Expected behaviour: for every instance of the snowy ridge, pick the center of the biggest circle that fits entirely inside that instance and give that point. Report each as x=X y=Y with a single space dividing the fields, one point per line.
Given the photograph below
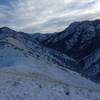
x=78 y=41
x=28 y=47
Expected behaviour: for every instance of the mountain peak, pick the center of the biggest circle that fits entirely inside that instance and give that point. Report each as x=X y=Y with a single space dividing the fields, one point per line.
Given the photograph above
x=6 y=29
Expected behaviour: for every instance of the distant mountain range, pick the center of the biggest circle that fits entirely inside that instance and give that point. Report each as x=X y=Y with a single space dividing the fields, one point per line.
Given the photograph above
x=76 y=48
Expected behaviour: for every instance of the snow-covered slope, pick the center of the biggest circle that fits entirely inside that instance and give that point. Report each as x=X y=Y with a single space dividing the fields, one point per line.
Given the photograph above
x=25 y=43
x=34 y=86
x=30 y=71
x=92 y=65
x=14 y=54
x=79 y=40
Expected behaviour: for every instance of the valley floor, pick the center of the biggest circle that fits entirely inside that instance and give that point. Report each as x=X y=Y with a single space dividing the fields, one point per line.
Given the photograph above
x=35 y=86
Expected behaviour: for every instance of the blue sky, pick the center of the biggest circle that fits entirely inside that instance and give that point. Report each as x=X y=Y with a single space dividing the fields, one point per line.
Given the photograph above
x=3 y=1
x=46 y=15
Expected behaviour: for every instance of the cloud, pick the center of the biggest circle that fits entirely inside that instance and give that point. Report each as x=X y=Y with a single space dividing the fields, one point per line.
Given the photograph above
x=46 y=15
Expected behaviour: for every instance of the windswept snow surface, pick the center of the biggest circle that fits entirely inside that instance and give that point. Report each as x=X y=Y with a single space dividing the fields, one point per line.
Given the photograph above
x=34 y=86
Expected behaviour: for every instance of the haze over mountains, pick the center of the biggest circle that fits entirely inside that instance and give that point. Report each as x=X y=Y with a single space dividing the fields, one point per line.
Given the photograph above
x=69 y=58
